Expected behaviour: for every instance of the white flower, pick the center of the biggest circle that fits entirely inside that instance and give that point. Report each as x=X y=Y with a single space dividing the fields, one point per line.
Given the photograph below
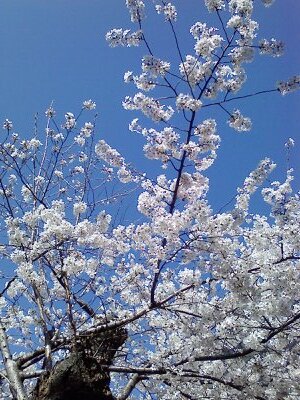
x=59 y=174
x=128 y=76
x=253 y=340
x=136 y=9
x=162 y=145
x=108 y=154
x=251 y=183
x=120 y=37
x=207 y=41
x=268 y=3
x=50 y=112
x=271 y=47
x=230 y=78
x=79 y=208
x=26 y=193
x=70 y=120
x=39 y=180
x=239 y=122
x=149 y=107
x=87 y=129
x=155 y=66
x=82 y=157
x=12 y=179
x=134 y=126
x=235 y=22
x=124 y=175
x=241 y=7
x=89 y=104
x=8 y=125
x=289 y=86
x=214 y=5
x=193 y=70
x=187 y=102
x=103 y=221
x=143 y=82
x=169 y=11
x=290 y=143
x=78 y=169
x=79 y=140
x=34 y=144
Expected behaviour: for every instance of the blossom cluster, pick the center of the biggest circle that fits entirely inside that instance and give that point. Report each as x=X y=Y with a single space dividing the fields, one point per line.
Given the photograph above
x=194 y=71
x=120 y=37
x=185 y=101
x=136 y=9
x=273 y=47
x=108 y=154
x=215 y=5
x=168 y=10
x=252 y=182
x=154 y=66
x=289 y=86
x=207 y=40
x=239 y=122
x=149 y=107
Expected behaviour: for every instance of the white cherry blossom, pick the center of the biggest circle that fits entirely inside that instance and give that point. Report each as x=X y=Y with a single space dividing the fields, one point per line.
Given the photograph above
x=134 y=272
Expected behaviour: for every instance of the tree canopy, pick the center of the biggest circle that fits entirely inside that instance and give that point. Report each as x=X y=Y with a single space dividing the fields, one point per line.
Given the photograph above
x=182 y=302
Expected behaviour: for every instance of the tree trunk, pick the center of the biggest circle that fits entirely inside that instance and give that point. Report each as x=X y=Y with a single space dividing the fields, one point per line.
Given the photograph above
x=80 y=376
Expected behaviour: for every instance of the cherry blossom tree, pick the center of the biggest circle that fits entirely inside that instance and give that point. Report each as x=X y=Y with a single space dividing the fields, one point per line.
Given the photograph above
x=183 y=302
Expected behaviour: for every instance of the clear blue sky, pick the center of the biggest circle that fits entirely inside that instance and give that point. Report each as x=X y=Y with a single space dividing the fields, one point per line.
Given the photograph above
x=55 y=50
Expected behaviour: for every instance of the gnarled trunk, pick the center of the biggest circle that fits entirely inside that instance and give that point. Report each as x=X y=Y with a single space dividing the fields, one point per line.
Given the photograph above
x=80 y=376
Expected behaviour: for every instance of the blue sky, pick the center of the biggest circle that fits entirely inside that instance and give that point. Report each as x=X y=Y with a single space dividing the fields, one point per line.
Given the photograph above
x=55 y=50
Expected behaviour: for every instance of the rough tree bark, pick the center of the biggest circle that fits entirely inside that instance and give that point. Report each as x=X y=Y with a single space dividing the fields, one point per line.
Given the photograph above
x=80 y=376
